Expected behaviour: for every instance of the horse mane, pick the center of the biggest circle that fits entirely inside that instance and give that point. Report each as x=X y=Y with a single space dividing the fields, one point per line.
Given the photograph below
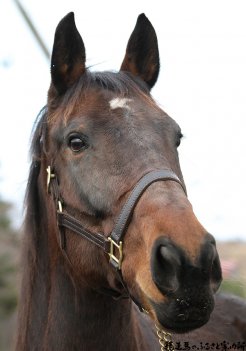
x=121 y=83
x=32 y=205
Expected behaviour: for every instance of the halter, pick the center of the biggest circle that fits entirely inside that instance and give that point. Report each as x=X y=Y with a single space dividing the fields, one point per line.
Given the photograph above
x=113 y=244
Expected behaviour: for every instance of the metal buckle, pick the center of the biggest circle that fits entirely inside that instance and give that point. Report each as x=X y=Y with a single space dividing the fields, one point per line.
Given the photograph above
x=116 y=262
x=50 y=175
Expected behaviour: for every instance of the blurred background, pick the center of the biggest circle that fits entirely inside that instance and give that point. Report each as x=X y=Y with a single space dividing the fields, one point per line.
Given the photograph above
x=201 y=85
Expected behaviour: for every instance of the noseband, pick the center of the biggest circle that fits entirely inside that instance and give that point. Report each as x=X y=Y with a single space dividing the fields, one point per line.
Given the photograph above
x=113 y=244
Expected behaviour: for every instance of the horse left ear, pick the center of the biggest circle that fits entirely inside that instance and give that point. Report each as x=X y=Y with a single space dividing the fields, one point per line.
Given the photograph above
x=68 y=55
x=142 y=54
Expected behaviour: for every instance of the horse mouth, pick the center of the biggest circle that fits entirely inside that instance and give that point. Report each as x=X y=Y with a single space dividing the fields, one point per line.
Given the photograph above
x=174 y=326
x=174 y=319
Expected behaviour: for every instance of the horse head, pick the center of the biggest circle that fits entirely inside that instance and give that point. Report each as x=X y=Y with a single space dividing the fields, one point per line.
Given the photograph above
x=102 y=133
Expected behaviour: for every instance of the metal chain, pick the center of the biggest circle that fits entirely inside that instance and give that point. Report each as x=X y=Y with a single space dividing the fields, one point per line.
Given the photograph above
x=165 y=339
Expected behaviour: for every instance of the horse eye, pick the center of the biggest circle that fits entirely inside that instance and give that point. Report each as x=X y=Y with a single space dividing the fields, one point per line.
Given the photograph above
x=179 y=137
x=77 y=143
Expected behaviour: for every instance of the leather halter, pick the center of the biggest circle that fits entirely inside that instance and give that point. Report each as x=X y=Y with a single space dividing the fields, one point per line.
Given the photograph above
x=113 y=244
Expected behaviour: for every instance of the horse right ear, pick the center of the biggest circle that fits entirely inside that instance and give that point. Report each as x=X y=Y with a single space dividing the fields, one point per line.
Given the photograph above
x=68 y=55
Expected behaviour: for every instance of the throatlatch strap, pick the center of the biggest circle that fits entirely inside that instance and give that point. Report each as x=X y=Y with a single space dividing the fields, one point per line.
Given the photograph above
x=127 y=211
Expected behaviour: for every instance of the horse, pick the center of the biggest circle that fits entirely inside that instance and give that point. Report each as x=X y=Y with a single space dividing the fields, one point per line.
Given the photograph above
x=114 y=257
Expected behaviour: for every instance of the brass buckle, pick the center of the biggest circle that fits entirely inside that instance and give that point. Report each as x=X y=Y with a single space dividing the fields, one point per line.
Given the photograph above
x=50 y=175
x=112 y=258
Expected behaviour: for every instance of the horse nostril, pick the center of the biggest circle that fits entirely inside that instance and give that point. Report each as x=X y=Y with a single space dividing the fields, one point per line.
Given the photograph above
x=216 y=273
x=165 y=266
x=210 y=263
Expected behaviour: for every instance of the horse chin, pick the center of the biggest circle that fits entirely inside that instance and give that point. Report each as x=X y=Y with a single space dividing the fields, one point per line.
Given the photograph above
x=181 y=327
x=178 y=320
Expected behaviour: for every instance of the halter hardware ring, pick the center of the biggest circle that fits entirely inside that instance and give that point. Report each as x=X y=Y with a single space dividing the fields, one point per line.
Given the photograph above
x=116 y=262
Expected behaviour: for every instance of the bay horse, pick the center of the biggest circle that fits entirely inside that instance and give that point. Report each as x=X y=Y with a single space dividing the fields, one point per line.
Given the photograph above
x=113 y=255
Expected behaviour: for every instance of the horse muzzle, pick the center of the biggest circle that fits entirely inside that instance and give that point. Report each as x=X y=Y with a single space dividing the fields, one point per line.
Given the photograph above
x=182 y=314
x=187 y=287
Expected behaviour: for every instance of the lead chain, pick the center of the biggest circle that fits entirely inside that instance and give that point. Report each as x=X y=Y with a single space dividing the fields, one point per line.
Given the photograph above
x=165 y=339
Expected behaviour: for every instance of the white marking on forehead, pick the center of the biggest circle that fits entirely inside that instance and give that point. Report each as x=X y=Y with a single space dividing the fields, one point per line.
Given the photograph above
x=119 y=103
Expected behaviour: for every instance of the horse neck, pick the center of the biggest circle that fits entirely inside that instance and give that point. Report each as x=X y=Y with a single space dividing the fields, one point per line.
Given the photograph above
x=58 y=313
x=82 y=319
x=64 y=316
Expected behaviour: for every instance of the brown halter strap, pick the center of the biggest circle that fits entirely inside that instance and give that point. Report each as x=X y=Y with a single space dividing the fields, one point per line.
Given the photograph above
x=113 y=244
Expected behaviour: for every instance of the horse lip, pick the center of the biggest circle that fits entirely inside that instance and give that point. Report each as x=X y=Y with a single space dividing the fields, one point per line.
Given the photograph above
x=182 y=320
x=182 y=327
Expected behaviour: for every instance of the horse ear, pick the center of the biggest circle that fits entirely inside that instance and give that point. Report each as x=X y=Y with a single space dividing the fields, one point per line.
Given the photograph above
x=68 y=55
x=142 y=54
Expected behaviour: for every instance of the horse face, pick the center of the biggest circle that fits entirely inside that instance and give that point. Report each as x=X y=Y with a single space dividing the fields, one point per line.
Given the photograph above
x=105 y=132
